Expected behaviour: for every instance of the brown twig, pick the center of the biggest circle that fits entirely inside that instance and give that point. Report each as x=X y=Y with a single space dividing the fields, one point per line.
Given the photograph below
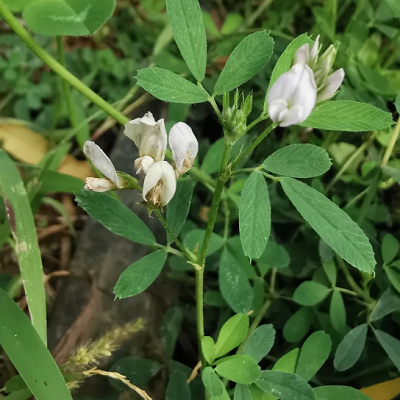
x=194 y=372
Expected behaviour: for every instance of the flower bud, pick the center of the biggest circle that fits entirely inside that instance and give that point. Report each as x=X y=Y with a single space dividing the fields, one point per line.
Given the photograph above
x=292 y=96
x=150 y=137
x=99 y=159
x=184 y=146
x=331 y=86
x=143 y=164
x=305 y=55
x=324 y=65
x=159 y=184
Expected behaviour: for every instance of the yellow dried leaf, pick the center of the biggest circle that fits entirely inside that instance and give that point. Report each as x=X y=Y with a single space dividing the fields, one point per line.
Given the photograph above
x=383 y=391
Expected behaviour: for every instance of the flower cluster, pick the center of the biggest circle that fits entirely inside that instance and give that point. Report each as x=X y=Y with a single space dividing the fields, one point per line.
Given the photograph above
x=150 y=137
x=294 y=94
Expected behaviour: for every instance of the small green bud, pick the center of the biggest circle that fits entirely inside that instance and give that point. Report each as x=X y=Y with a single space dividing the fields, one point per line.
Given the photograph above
x=129 y=182
x=247 y=105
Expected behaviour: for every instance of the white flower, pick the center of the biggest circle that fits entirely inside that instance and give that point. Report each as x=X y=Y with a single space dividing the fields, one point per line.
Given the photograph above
x=292 y=97
x=143 y=164
x=150 y=138
x=305 y=55
x=184 y=146
x=331 y=85
x=159 y=184
x=105 y=166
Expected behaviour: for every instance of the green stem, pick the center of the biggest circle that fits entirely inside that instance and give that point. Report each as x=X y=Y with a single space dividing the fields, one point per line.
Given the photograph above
x=349 y=292
x=199 y=311
x=262 y=117
x=56 y=66
x=183 y=249
x=347 y=164
x=392 y=143
x=169 y=249
x=212 y=215
x=256 y=142
x=257 y=13
x=388 y=48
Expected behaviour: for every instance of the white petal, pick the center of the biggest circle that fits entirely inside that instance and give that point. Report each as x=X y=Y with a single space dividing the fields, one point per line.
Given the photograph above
x=285 y=85
x=314 y=51
x=305 y=94
x=143 y=164
x=303 y=54
x=331 y=85
x=183 y=144
x=293 y=116
x=161 y=171
x=101 y=161
x=276 y=108
x=99 y=185
x=136 y=128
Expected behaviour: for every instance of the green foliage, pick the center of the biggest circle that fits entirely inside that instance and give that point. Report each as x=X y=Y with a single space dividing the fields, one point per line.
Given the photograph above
x=234 y=284
x=350 y=348
x=334 y=226
x=240 y=369
x=23 y=229
x=177 y=387
x=338 y=311
x=170 y=327
x=194 y=239
x=388 y=303
x=254 y=216
x=67 y=17
x=390 y=248
x=314 y=353
x=115 y=216
x=231 y=334
x=348 y=116
x=212 y=383
x=298 y=324
x=298 y=161
x=246 y=60
x=242 y=392
x=187 y=24
x=140 y=275
x=167 y=86
x=208 y=348
x=285 y=386
x=391 y=345
x=339 y=392
x=310 y=293
x=259 y=344
x=25 y=347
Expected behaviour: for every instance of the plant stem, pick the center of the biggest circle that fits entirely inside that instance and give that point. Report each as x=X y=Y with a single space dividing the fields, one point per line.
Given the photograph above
x=347 y=164
x=212 y=215
x=199 y=311
x=257 y=13
x=256 y=121
x=56 y=66
x=256 y=142
x=392 y=143
x=183 y=249
x=349 y=292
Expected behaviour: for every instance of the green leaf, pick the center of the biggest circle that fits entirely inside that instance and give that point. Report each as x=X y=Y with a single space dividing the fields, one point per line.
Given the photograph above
x=393 y=274
x=314 y=353
x=242 y=392
x=337 y=311
x=53 y=181
x=189 y=33
x=23 y=228
x=234 y=284
x=178 y=207
x=310 y=293
x=298 y=324
x=212 y=160
x=391 y=345
x=348 y=116
x=388 y=303
x=17 y=5
x=20 y=395
x=25 y=348
x=234 y=246
x=260 y=342
x=392 y=172
x=208 y=348
x=239 y=369
x=248 y=58
x=339 y=392
x=140 y=275
x=115 y=216
x=212 y=383
x=288 y=362
x=395 y=6
x=274 y=256
x=397 y=103
x=285 y=386
x=332 y=224
x=67 y=17
x=170 y=327
x=231 y=334
x=254 y=215
x=286 y=59
x=167 y=86
x=299 y=161
x=350 y=348
x=194 y=239
x=390 y=248
x=330 y=270
x=177 y=387
x=137 y=370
